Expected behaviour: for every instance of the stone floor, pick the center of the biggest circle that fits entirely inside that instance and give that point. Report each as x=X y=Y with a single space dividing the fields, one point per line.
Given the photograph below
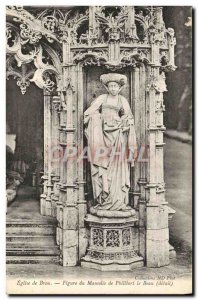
x=178 y=178
x=26 y=208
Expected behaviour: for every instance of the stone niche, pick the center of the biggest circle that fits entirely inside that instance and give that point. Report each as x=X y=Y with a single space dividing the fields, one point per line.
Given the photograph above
x=114 y=242
x=92 y=88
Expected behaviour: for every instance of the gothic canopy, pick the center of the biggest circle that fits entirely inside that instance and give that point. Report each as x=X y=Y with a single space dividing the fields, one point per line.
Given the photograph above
x=40 y=40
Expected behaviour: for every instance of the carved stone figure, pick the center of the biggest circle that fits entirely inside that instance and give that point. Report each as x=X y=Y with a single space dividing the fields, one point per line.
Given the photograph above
x=111 y=141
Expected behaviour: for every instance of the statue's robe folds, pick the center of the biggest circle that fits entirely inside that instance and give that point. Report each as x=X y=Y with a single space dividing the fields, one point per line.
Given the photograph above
x=111 y=143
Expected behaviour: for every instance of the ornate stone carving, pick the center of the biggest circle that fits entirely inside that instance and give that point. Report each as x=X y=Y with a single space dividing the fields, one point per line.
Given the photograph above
x=97 y=57
x=29 y=35
x=23 y=83
x=109 y=257
x=98 y=238
x=112 y=238
x=153 y=83
x=126 y=237
x=15 y=42
x=135 y=56
x=106 y=24
x=111 y=244
x=23 y=73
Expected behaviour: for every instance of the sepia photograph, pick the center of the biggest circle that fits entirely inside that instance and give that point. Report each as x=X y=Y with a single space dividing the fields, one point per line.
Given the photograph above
x=99 y=134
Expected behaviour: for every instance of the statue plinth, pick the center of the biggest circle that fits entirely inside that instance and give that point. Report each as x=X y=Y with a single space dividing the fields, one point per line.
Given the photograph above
x=111 y=244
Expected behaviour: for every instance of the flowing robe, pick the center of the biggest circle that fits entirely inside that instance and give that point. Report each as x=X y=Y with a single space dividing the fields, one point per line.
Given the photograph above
x=111 y=140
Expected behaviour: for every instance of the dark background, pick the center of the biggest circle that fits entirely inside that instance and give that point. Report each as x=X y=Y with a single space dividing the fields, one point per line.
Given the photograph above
x=178 y=99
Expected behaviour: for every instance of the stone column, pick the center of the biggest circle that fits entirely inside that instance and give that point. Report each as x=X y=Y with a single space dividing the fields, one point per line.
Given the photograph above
x=82 y=204
x=45 y=198
x=157 y=232
x=60 y=185
x=70 y=212
x=142 y=161
x=56 y=153
x=67 y=212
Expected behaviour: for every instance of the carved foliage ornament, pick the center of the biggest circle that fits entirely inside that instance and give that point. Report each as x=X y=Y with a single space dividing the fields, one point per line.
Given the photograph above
x=21 y=74
x=156 y=83
x=114 y=24
x=29 y=35
x=82 y=29
x=15 y=44
x=60 y=25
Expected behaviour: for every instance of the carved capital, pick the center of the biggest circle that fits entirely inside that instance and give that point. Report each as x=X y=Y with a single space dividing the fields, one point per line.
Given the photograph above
x=153 y=84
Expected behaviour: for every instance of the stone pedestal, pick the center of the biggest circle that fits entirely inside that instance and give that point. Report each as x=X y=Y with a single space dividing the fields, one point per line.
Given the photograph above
x=111 y=244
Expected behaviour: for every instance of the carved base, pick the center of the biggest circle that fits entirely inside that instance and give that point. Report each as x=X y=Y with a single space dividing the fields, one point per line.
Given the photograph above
x=136 y=263
x=111 y=244
x=112 y=214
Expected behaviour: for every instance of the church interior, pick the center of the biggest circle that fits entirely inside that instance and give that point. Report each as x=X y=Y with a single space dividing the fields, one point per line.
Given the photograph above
x=25 y=125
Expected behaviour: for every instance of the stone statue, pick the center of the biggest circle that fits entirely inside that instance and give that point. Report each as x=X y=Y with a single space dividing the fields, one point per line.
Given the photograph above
x=109 y=128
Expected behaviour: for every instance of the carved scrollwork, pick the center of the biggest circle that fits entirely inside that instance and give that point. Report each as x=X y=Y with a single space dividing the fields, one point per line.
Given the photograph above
x=12 y=7
x=91 y=57
x=50 y=23
x=29 y=35
x=43 y=79
x=22 y=73
x=131 y=57
x=23 y=83
x=18 y=13
x=115 y=37
x=13 y=39
x=62 y=26
x=14 y=46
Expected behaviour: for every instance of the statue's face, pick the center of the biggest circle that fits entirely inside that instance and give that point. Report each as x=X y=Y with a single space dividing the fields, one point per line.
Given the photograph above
x=113 y=88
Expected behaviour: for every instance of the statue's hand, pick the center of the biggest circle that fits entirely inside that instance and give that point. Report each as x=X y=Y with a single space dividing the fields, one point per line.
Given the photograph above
x=124 y=128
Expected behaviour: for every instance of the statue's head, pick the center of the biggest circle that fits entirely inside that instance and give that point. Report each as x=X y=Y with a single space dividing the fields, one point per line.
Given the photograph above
x=113 y=82
x=113 y=88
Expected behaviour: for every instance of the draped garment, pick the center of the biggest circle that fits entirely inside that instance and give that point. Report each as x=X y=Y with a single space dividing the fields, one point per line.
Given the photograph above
x=111 y=141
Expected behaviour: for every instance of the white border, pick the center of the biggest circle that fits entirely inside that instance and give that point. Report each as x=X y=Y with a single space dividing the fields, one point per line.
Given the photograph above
x=2 y=99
